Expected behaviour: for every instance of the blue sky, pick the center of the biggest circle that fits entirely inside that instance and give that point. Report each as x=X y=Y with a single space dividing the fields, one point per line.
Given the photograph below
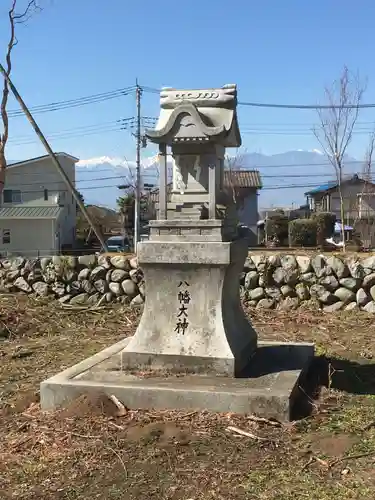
x=276 y=51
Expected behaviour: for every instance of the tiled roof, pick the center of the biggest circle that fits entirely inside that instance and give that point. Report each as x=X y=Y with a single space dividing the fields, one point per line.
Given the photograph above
x=242 y=178
x=29 y=212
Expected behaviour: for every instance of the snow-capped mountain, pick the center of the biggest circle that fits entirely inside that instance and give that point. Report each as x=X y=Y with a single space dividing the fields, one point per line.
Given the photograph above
x=286 y=176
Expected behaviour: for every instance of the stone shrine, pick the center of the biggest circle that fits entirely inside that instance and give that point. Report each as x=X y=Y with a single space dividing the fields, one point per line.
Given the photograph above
x=193 y=318
x=193 y=342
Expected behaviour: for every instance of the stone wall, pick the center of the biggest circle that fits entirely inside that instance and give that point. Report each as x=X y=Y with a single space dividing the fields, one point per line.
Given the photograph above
x=84 y=280
x=328 y=282
x=268 y=281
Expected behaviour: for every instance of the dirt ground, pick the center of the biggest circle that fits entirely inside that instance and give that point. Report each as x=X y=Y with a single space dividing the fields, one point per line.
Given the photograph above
x=88 y=451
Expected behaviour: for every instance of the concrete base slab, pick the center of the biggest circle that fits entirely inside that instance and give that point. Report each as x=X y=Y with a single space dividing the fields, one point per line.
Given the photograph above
x=269 y=387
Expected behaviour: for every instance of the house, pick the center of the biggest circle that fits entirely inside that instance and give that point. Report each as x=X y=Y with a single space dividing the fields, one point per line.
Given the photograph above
x=37 y=210
x=244 y=184
x=358 y=204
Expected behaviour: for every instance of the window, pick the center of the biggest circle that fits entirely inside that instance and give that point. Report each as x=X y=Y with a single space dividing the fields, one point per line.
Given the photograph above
x=45 y=194
x=6 y=236
x=12 y=196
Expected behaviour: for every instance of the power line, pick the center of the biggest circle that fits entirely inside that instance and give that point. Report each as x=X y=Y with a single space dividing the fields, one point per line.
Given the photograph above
x=73 y=103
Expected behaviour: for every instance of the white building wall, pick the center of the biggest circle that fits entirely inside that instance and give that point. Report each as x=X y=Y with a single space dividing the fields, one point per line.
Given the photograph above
x=28 y=237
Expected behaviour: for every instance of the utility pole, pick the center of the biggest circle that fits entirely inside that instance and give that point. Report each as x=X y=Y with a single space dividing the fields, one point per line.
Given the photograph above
x=137 y=223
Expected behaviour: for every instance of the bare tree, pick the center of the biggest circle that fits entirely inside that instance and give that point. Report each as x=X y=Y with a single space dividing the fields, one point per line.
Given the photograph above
x=234 y=163
x=15 y=18
x=365 y=219
x=337 y=121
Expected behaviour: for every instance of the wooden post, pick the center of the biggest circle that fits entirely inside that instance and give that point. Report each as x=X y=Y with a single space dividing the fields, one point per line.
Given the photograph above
x=163 y=181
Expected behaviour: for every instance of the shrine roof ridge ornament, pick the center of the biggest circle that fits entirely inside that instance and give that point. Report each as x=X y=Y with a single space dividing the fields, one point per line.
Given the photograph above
x=224 y=97
x=197 y=116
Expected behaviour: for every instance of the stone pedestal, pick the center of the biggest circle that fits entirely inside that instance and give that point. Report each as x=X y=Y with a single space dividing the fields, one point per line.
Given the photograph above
x=192 y=320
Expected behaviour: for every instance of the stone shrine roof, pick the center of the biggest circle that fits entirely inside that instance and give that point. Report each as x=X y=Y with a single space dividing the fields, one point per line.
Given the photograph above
x=198 y=116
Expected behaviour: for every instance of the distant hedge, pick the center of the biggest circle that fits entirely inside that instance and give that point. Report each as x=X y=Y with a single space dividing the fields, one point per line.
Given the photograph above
x=276 y=225
x=325 y=226
x=303 y=232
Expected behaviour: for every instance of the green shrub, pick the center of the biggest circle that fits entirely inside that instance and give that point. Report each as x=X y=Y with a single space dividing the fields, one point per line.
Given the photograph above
x=302 y=232
x=325 y=226
x=276 y=226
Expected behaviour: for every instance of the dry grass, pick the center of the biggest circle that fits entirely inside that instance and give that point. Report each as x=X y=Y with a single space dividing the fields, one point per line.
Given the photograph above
x=88 y=452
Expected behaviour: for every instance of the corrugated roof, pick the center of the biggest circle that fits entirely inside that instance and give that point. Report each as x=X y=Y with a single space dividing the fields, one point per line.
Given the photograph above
x=38 y=158
x=29 y=212
x=323 y=188
x=242 y=178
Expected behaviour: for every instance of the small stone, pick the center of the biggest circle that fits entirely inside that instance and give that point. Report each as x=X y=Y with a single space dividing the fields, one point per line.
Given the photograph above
x=372 y=292
x=350 y=283
x=309 y=278
x=133 y=262
x=362 y=297
x=104 y=261
x=279 y=275
x=119 y=275
x=93 y=299
x=45 y=262
x=252 y=303
x=109 y=297
x=329 y=282
x=84 y=274
x=352 y=306
x=288 y=304
x=24 y=272
x=333 y=307
x=265 y=304
x=65 y=299
x=80 y=299
x=136 y=275
x=262 y=280
x=137 y=301
x=23 y=285
x=251 y=280
x=260 y=262
x=304 y=263
x=322 y=295
x=369 y=280
x=339 y=268
x=98 y=273
x=13 y=275
x=101 y=286
x=318 y=264
x=369 y=307
x=6 y=264
x=302 y=291
x=274 y=261
x=58 y=288
x=287 y=291
x=40 y=288
x=369 y=263
x=17 y=263
x=288 y=262
x=273 y=292
x=69 y=275
x=291 y=276
x=120 y=262
x=344 y=295
x=356 y=269
x=116 y=288
x=256 y=294
x=87 y=286
x=249 y=265
x=87 y=260
x=129 y=287
x=142 y=289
